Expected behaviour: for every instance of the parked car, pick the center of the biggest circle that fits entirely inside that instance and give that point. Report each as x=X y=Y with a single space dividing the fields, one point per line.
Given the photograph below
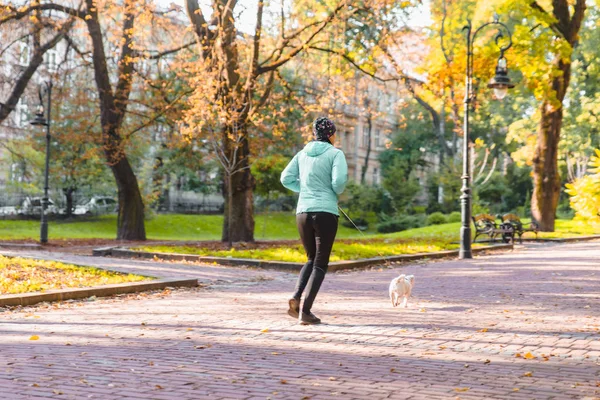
x=97 y=205
x=33 y=206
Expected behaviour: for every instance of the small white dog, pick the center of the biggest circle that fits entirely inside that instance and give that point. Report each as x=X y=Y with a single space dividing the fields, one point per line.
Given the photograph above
x=401 y=287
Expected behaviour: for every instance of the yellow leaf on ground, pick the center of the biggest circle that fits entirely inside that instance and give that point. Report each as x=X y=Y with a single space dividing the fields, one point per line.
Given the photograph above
x=529 y=356
x=331 y=378
x=518 y=355
x=283 y=381
x=528 y=373
x=264 y=330
x=34 y=337
x=158 y=387
x=483 y=330
x=516 y=389
x=461 y=389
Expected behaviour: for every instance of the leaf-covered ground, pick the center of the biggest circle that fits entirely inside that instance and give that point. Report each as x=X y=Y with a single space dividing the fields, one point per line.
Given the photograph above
x=20 y=275
x=342 y=250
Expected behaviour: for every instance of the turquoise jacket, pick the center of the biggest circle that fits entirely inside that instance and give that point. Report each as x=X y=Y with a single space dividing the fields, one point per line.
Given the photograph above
x=319 y=173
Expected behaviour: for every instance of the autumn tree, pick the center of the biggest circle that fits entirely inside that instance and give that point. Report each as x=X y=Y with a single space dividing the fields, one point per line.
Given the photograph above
x=543 y=52
x=28 y=40
x=119 y=36
x=236 y=74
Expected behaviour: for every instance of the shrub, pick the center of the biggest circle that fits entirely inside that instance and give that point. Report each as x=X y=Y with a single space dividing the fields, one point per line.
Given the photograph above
x=437 y=218
x=585 y=193
x=361 y=223
x=400 y=224
x=454 y=217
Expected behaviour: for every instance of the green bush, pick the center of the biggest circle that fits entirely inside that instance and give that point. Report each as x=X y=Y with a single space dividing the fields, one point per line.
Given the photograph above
x=454 y=217
x=361 y=223
x=400 y=224
x=437 y=218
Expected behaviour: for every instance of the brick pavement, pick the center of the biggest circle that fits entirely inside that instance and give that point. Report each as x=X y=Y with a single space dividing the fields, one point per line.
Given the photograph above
x=461 y=337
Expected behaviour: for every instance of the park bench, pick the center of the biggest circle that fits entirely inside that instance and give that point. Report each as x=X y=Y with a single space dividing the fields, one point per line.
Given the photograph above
x=485 y=224
x=519 y=227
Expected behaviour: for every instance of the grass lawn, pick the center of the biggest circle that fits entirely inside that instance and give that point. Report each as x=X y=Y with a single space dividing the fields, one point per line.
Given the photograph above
x=20 y=275
x=272 y=226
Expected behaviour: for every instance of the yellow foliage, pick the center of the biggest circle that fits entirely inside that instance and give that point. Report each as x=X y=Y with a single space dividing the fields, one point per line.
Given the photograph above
x=585 y=193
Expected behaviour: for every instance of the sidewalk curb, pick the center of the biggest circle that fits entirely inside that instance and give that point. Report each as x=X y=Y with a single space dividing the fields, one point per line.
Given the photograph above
x=563 y=240
x=281 y=265
x=27 y=299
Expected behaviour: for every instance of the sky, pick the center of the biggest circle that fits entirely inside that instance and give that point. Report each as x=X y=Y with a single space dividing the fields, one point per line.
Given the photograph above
x=247 y=8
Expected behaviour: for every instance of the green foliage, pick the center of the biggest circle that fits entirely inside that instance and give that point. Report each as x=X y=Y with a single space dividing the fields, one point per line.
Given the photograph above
x=23 y=275
x=454 y=216
x=401 y=223
x=437 y=218
x=359 y=200
x=266 y=172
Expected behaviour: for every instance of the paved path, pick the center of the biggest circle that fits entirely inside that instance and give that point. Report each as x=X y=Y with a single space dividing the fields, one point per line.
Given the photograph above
x=468 y=333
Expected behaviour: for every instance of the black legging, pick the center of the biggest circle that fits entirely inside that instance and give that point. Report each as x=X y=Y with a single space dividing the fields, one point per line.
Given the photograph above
x=317 y=232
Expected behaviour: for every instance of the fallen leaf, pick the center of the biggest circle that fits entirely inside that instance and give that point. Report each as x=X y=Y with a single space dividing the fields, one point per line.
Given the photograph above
x=392 y=369
x=143 y=324
x=158 y=387
x=529 y=356
x=423 y=310
x=516 y=389
x=57 y=391
x=518 y=355
x=34 y=337
x=461 y=389
x=331 y=378
x=275 y=353
x=487 y=361
x=483 y=330
x=442 y=347
x=264 y=330
x=528 y=373
x=283 y=381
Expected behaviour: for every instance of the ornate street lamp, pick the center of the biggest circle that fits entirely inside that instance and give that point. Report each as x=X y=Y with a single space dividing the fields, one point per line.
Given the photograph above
x=500 y=83
x=45 y=89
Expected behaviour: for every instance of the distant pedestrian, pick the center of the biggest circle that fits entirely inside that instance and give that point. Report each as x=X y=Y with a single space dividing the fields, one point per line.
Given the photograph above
x=319 y=173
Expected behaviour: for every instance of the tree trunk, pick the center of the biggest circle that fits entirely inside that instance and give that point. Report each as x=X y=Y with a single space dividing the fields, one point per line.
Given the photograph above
x=69 y=197
x=546 y=176
x=363 y=172
x=130 y=222
x=238 y=218
x=113 y=105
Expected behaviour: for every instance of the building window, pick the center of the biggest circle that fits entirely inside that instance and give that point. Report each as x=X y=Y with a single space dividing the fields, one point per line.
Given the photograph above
x=50 y=60
x=23 y=54
x=365 y=141
x=21 y=114
x=377 y=138
x=375 y=176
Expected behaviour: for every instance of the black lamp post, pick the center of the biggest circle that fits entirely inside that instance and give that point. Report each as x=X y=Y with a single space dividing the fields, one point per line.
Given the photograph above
x=500 y=83
x=45 y=89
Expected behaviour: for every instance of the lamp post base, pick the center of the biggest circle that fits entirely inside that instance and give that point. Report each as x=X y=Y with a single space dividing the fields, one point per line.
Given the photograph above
x=44 y=232
x=464 y=254
x=465 y=243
